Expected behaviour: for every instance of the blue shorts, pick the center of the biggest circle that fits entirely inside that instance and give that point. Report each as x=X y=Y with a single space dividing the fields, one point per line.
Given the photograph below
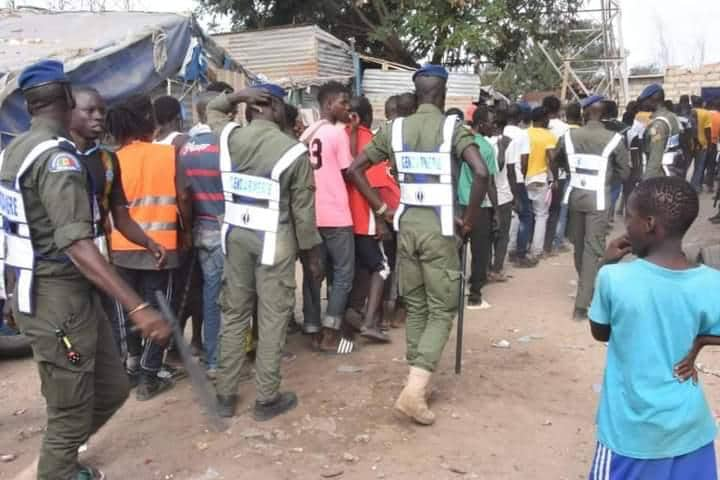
x=697 y=465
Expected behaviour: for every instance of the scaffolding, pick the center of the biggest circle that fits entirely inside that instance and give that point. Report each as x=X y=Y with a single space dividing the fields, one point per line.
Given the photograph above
x=605 y=74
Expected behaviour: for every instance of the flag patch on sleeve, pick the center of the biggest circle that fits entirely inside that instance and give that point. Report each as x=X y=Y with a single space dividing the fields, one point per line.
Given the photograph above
x=64 y=162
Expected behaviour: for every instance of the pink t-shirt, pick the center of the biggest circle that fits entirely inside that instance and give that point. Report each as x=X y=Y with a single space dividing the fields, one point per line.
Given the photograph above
x=329 y=155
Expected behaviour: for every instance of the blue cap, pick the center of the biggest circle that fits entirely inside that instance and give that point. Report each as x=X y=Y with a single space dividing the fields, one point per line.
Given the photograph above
x=524 y=107
x=42 y=73
x=430 y=70
x=591 y=100
x=272 y=89
x=649 y=91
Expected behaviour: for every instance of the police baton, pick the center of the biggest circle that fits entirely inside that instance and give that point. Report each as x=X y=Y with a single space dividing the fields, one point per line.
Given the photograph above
x=198 y=380
x=461 y=307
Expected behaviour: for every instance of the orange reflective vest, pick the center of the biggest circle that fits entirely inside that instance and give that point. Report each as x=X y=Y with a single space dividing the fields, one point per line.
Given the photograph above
x=148 y=178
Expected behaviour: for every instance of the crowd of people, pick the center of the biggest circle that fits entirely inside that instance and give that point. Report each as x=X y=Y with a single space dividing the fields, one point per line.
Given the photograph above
x=217 y=218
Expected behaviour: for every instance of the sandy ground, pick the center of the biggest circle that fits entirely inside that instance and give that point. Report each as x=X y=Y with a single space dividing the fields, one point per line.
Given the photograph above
x=522 y=412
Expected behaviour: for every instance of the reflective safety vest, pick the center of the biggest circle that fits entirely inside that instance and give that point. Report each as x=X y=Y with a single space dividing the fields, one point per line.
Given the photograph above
x=672 y=149
x=589 y=171
x=16 y=247
x=148 y=178
x=425 y=178
x=253 y=202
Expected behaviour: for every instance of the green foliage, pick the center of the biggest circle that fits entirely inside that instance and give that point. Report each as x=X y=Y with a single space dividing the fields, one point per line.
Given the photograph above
x=407 y=31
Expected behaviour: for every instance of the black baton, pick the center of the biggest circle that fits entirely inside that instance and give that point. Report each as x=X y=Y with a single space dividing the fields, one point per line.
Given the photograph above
x=461 y=308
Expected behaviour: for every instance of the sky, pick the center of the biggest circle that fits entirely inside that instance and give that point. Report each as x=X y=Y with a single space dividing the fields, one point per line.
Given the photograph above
x=686 y=26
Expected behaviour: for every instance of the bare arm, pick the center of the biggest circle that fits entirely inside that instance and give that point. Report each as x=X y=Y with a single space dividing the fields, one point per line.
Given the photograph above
x=87 y=258
x=356 y=174
x=481 y=181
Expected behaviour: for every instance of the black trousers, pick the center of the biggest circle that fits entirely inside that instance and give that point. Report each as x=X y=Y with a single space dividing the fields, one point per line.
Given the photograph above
x=481 y=240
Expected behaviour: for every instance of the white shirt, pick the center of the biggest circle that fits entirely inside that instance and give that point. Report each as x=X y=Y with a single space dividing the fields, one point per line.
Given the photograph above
x=504 y=193
x=519 y=146
x=558 y=127
x=199 y=128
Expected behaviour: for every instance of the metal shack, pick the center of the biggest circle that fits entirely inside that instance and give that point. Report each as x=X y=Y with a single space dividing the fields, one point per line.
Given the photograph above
x=299 y=58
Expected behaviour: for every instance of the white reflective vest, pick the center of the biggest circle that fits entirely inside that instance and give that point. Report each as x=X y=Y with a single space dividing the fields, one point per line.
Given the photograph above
x=589 y=171
x=15 y=239
x=425 y=178
x=253 y=202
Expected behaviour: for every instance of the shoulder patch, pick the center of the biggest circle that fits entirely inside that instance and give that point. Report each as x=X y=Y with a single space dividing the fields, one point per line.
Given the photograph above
x=64 y=162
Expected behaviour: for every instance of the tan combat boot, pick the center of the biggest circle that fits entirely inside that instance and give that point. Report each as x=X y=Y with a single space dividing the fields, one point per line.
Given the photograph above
x=412 y=400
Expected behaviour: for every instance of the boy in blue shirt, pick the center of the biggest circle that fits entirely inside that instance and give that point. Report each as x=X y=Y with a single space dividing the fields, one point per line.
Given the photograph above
x=652 y=425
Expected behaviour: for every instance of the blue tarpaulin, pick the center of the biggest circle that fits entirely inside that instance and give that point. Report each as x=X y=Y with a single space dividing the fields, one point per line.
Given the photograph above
x=118 y=53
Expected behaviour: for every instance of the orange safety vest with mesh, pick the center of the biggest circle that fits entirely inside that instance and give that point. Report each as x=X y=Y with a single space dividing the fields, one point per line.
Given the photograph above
x=148 y=178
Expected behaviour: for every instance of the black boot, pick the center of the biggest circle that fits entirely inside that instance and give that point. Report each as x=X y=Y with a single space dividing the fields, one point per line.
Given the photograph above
x=226 y=405
x=284 y=402
x=151 y=386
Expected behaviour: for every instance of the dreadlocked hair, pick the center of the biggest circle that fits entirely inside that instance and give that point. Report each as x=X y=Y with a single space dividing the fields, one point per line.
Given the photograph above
x=131 y=120
x=672 y=200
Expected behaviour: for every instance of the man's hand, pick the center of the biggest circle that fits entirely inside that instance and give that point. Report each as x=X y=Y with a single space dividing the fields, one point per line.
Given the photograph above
x=251 y=96
x=187 y=240
x=8 y=316
x=158 y=251
x=617 y=249
x=685 y=368
x=152 y=325
x=464 y=227
x=313 y=262
x=389 y=216
x=382 y=231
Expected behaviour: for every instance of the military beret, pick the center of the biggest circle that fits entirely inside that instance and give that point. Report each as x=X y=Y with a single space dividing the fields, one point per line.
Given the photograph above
x=42 y=73
x=649 y=91
x=430 y=70
x=272 y=89
x=591 y=100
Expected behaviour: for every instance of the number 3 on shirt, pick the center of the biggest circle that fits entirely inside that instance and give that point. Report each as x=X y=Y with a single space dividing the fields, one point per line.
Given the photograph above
x=316 y=154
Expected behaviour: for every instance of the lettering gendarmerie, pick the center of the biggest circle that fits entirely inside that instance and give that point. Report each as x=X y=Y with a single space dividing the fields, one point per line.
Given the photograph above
x=255 y=186
x=430 y=162
x=8 y=203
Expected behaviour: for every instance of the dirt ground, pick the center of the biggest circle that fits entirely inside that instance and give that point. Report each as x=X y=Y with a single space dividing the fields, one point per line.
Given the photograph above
x=524 y=412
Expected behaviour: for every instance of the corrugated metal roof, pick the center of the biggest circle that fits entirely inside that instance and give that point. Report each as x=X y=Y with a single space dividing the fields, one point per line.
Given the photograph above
x=391 y=82
x=27 y=36
x=289 y=55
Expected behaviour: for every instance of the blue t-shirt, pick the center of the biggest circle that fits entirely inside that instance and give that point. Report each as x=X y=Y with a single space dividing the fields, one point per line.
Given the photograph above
x=655 y=314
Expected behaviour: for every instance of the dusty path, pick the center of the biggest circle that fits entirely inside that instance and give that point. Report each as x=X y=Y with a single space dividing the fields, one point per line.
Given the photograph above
x=520 y=413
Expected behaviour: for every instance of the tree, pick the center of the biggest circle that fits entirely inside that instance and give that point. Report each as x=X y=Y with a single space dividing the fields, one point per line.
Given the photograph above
x=406 y=31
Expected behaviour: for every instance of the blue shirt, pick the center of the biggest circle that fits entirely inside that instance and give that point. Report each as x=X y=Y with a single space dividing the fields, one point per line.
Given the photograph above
x=655 y=314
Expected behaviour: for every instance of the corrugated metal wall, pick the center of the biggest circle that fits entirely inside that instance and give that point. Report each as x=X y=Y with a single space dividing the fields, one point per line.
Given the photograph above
x=289 y=54
x=379 y=85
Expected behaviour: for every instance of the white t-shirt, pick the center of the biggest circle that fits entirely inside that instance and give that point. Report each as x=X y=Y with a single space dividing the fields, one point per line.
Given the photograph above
x=504 y=193
x=519 y=146
x=558 y=127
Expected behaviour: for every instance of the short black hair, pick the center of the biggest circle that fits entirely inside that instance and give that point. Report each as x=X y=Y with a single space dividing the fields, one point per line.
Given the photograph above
x=552 y=104
x=391 y=105
x=43 y=96
x=220 y=87
x=361 y=105
x=669 y=105
x=697 y=101
x=672 y=200
x=331 y=89
x=457 y=112
x=573 y=113
x=514 y=113
x=406 y=104
x=291 y=115
x=481 y=115
x=684 y=100
x=132 y=119
x=167 y=109
x=85 y=89
x=611 y=109
x=539 y=114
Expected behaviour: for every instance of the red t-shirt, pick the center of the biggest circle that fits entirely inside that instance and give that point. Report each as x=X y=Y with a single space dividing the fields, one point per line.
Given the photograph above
x=380 y=178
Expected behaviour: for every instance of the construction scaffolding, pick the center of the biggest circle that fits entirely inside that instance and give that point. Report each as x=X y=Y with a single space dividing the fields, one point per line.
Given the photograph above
x=605 y=74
